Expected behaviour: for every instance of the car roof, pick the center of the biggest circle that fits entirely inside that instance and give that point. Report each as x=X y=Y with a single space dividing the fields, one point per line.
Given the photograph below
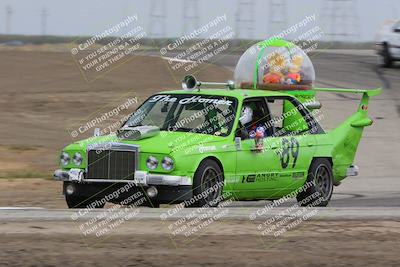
x=237 y=93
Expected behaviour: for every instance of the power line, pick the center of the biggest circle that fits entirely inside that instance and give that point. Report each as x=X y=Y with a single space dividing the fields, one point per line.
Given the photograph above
x=157 y=18
x=341 y=20
x=245 y=19
x=190 y=15
x=277 y=16
x=43 y=20
x=9 y=12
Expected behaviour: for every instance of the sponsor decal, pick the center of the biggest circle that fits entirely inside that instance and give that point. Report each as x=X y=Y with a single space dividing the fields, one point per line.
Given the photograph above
x=260 y=177
x=298 y=175
x=192 y=99
x=204 y=149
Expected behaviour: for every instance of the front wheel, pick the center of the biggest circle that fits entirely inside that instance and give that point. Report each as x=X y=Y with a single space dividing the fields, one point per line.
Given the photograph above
x=207 y=185
x=319 y=186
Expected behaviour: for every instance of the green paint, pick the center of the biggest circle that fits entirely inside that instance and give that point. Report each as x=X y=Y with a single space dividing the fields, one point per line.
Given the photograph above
x=249 y=174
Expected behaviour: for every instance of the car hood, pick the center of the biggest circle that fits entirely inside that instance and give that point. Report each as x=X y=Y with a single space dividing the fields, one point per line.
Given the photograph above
x=165 y=142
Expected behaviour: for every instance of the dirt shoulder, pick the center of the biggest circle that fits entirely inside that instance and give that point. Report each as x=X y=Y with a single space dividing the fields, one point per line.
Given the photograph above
x=45 y=97
x=148 y=243
x=31 y=192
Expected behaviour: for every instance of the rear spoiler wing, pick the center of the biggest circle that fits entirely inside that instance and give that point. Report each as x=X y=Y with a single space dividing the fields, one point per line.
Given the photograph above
x=368 y=92
x=364 y=120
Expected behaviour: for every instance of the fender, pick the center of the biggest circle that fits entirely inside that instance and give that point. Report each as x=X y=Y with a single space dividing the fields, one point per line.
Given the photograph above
x=347 y=135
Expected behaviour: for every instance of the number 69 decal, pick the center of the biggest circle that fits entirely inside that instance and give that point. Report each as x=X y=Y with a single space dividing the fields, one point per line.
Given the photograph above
x=289 y=148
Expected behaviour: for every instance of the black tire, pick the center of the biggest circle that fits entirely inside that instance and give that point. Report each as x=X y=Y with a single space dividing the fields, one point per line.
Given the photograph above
x=77 y=202
x=319 y=185
x=384 y=58
x=208 y=175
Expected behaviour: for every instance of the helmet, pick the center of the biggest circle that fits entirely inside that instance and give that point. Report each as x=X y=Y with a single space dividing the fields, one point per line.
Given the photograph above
x=246 y=115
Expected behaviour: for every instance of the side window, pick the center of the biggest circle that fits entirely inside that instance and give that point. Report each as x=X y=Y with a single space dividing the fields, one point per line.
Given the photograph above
x=254 y=116
x=286 y=117
x=276 y=110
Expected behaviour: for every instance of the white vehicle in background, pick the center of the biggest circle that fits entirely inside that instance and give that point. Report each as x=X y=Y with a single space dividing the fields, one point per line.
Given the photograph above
x=388 y=44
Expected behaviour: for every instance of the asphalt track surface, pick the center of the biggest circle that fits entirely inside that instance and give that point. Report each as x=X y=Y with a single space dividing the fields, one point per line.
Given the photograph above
x=231 y=212
x=375 y=193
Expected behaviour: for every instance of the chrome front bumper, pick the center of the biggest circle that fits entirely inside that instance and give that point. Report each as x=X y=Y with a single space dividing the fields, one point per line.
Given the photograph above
x=142 y=178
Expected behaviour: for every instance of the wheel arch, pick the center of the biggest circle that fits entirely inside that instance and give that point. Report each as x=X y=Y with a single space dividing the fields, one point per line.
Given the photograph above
x=336 y=180
x=329 y=158
x=217 y=160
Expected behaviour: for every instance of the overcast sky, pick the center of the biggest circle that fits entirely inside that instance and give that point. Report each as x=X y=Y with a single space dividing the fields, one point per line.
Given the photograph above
x=74 y=17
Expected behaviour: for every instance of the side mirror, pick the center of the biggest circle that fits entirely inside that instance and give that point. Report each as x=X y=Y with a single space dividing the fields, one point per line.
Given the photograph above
x=313 y=105
x=242 y=134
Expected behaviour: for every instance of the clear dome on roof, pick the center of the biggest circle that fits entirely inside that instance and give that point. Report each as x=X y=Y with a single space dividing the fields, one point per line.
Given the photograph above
x=274 y=64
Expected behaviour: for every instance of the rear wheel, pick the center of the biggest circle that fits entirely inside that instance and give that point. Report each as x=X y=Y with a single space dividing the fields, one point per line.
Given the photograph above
x=384 y=58
x=319 y=186
x=207 y=186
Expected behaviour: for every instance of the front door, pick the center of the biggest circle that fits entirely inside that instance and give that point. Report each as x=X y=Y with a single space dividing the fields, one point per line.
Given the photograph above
x=256 y=170
x=289 y=147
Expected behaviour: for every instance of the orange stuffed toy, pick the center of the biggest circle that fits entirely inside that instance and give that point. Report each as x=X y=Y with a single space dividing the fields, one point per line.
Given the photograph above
x=275 y=65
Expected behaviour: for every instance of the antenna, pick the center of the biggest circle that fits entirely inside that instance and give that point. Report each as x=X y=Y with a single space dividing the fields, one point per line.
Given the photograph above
x=43 y=20
x=245 y=19
x=9 y=12
x=342 y=20
x=277 y=16
x=157 y=18
x=190 y=15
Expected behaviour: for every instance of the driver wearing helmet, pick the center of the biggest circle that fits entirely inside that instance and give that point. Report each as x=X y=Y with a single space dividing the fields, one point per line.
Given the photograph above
x=249 y=123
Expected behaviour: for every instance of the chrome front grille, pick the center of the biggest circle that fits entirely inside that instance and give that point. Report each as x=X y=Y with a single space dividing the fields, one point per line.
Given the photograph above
x=112 y=164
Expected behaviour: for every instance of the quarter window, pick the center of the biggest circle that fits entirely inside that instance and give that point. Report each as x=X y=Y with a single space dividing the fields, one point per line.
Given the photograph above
x=287 y=117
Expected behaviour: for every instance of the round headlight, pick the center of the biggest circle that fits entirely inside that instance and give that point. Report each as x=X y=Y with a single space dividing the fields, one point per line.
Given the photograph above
x=77 y=159
x=167 y=163
x=151 y=162
x=64 y=158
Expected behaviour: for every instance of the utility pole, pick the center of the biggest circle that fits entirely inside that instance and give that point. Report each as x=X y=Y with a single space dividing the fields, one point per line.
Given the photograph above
x=9 y=12
x=43 y=20
x=157 y=18
x=190 y=15
x=341 y=20
x=277 y=17
x=245 y=19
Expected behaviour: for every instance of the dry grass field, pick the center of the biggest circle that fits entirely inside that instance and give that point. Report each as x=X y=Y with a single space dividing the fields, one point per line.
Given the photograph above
x=44 y=96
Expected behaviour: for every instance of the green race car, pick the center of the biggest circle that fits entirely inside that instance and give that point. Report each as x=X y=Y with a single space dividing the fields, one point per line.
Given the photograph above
x=198 y=146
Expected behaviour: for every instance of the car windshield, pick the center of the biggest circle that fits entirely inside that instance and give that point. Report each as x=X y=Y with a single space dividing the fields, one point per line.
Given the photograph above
x=187 y=113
